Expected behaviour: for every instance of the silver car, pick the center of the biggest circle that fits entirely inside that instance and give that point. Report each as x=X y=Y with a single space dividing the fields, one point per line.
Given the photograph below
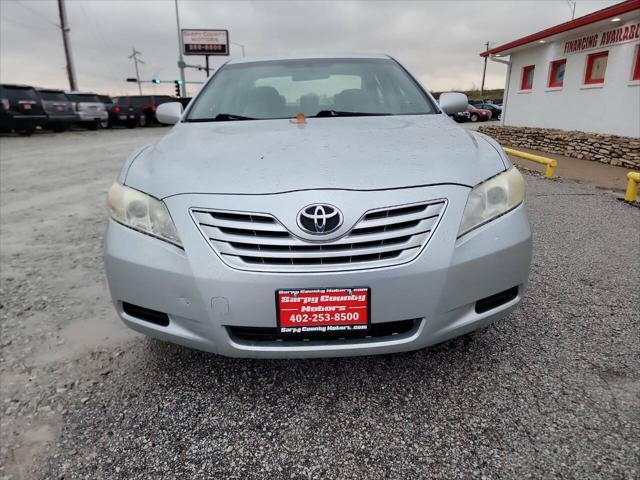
x=90 y=110
x=313 y=207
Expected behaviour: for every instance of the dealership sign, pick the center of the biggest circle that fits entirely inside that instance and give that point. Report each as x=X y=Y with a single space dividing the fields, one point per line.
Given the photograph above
x=614 y=36
x=205 y=42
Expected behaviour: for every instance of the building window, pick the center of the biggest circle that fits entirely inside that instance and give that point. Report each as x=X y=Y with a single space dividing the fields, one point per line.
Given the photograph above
x=556 y=73
x=596 y=68
x=527 y=77
x=636 y=65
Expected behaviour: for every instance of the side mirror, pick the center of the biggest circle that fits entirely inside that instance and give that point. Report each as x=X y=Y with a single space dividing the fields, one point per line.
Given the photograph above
x=453 y=102
x=169 y=113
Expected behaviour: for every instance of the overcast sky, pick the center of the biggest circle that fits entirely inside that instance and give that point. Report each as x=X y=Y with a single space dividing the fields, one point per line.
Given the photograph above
x=438 y=41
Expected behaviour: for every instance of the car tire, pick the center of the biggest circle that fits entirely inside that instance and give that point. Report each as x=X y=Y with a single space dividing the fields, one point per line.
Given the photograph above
x=499 y=117
x=105 y=124
x=93 y=125
x=27 y=132
x=60 y=128
x=131 y=125
x=474 y=118
x=143 y=121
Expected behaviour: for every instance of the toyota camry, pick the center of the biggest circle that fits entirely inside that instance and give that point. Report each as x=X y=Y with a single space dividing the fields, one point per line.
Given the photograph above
x=316 y=206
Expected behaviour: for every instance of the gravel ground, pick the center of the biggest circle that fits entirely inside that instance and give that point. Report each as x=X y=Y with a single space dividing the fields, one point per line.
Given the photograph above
x=551 y=391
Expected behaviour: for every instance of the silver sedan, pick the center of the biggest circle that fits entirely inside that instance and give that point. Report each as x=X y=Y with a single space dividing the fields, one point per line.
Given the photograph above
x=312 y=207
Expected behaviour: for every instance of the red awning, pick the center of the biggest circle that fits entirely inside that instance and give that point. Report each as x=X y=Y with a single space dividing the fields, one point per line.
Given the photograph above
x=613 y=11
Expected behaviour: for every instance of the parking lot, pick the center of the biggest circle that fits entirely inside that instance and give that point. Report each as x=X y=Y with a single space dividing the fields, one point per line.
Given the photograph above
x=551 y=391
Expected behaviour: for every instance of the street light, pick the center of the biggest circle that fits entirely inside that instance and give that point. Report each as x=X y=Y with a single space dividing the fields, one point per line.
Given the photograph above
x=238 y=45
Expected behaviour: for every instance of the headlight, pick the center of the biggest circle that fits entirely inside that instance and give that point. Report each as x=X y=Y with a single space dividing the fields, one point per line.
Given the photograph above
x=141 y=212
x=491 y=199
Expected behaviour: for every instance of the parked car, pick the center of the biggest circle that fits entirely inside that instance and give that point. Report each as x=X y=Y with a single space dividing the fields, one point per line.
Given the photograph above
x=89 y=108
x=144 y=106
x=21 y=109
x=369 y=224
x=109 y=106
x=461 y=117
x=478 y=114
x=59 y=109
x=496 y=112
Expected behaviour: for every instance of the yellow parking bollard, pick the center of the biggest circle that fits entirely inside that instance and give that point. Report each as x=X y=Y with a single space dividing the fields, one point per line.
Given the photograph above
x=549 y=162
x=633 y=178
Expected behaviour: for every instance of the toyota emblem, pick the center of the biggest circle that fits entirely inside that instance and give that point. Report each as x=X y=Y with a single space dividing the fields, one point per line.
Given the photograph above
x=319 y=219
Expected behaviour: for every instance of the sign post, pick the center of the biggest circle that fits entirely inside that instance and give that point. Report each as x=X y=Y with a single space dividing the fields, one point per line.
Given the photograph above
x=205 y=42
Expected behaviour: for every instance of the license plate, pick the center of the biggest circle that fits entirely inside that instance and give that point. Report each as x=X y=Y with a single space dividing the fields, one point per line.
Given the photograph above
x=26 y=106
x=123 y=117
x=60 y=107
x=323 y=310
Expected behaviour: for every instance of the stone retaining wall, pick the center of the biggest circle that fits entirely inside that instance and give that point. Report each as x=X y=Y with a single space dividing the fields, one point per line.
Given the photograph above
x=611 y=149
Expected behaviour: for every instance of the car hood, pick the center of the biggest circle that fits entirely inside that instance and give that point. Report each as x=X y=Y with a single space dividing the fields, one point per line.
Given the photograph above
x=273 y=156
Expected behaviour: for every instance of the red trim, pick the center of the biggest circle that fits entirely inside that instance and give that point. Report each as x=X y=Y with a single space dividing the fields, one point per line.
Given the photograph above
x=552 y=73
x=525 y=77
x=636 y=68
x=613 y=11
x=591 y=58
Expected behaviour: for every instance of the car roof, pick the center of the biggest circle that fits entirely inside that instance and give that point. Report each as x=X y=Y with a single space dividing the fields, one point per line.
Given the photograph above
x=308 y=57
x=76 y=92
x=14 y=85
x=50 y=90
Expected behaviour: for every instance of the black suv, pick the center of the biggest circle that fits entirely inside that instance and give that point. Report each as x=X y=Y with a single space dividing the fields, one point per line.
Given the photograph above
x=144 y=105
x=120 y=114
x=59 y=109
x=20 y=109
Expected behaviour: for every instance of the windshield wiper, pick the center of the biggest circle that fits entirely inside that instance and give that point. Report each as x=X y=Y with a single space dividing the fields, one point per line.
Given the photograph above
x=221 y=117
x=338 y=113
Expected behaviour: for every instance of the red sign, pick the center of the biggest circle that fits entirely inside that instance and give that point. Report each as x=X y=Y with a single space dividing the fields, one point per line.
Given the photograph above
x=323 y=310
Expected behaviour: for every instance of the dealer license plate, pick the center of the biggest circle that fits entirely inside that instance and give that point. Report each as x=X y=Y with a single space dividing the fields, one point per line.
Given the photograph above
x=323 y=310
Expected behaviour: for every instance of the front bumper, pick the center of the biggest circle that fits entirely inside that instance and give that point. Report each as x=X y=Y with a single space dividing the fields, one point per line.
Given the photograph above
x=202 y=296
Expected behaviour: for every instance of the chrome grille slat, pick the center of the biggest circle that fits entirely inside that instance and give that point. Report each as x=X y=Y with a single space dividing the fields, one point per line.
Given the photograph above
x=212 y=221
x=228 y=249
x=258 y=241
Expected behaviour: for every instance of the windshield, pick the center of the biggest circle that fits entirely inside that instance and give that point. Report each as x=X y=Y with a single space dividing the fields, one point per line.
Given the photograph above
x=281 y=89
x=18 y=93
x=84 y=97
x=53 y=96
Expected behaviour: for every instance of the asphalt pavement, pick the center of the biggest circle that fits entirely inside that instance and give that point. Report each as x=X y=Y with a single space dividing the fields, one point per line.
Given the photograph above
x=552 y=391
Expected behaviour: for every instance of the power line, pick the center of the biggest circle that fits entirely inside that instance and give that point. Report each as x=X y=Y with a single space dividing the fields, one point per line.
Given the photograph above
x=35 y=12
x=15 y=22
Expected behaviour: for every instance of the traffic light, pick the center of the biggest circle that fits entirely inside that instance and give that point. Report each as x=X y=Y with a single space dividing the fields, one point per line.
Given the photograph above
x=156 y=80
x=178 y=84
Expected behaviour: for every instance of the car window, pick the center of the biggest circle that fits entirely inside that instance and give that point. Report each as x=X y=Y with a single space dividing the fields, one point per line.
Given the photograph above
x=54 y=96
x=281 y=89
x=83 y=97
x=140 y=101
x=160 y=99
x=14 y=94
x=104 y=99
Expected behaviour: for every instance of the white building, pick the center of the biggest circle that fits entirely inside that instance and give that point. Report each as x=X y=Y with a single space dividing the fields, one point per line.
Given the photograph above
x=579 y=75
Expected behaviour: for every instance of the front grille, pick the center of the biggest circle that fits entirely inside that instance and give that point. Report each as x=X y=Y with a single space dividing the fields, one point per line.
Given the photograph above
x=382 y=237
x=376 y=332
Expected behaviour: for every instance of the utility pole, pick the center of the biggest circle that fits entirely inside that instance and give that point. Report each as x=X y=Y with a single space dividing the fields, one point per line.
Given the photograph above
x=71 y=72
x=136 y=60
x=572 y=6
x=180 y=59
x=484 y=71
